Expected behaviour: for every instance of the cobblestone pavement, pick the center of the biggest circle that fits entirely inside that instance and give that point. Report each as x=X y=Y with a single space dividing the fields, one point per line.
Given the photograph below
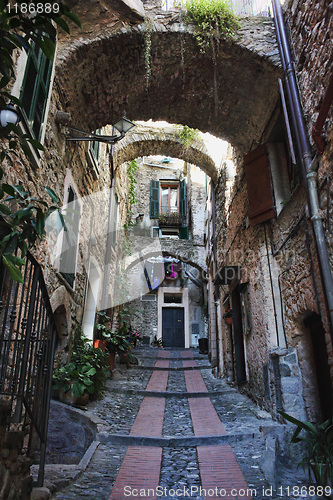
x=173 y=455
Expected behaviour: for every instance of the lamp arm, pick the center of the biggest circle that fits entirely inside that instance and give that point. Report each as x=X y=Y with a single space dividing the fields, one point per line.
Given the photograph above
x=88 y=136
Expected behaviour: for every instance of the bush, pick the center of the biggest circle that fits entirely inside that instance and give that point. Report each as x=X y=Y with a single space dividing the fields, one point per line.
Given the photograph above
x=212 y=18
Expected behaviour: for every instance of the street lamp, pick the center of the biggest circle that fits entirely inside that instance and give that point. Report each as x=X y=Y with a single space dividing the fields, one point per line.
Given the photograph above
x=123 y=126
x=9 y=115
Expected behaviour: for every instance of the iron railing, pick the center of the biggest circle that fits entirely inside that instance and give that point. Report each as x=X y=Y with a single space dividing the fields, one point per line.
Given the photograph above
x=27 y=343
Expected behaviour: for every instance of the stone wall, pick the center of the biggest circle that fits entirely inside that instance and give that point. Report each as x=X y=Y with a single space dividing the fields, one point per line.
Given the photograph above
x=278 y=258
x=15 y=478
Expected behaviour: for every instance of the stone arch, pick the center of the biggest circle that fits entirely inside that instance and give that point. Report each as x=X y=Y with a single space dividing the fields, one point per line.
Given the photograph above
x=231 y=97
x=165 y=253
x=138 y=144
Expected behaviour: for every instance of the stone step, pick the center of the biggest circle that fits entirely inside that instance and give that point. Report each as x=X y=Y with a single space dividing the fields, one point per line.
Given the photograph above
x=175 y=441
x=169 y=394
x=172 y=369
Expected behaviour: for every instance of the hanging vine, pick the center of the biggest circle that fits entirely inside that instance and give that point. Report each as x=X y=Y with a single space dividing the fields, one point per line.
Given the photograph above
x=132 y=168
x=148 y=28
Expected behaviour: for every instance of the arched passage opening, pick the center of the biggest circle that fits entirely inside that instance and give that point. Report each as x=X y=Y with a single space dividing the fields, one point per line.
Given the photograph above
x=231 y=97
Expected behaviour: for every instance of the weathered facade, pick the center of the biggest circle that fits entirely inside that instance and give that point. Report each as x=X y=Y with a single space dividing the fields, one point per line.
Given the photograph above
x=279 y=347
x=169 y=275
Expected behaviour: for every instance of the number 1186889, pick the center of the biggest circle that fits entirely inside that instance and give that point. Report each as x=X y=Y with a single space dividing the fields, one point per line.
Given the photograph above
x=33 y=8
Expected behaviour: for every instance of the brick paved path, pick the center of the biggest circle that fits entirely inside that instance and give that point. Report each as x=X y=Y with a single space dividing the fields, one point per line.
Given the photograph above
x=140 y=471
x=171 y=430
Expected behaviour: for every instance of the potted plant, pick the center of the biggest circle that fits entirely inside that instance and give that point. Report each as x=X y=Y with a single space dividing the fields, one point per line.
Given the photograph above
x=228 y=316
x=319 y=455
x=74 y=383
x=85 y=374
x=115 y=341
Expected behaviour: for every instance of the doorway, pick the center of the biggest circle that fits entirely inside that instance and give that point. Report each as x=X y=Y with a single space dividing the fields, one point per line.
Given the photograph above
x=238 y=337
x=173 y=331
x=320 y=364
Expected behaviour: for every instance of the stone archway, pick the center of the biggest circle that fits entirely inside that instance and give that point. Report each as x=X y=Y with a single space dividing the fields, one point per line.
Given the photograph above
x=145 y=141
x=103 y=73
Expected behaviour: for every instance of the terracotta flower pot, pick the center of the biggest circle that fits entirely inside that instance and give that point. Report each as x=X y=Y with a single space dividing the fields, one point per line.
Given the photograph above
x=100 y=343
x=228 y=320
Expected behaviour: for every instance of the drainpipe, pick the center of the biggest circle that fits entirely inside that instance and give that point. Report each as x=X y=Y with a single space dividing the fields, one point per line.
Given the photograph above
x=217 y=292
x=305 y=154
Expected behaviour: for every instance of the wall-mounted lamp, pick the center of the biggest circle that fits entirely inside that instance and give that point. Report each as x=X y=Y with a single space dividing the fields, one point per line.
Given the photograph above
x=123 y=126
x=9 y=115
x=139 y=217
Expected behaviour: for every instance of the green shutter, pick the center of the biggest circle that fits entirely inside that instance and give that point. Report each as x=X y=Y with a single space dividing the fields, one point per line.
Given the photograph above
x=183 y=233
x=182 y=198
x=35 y=89
x=154 y=199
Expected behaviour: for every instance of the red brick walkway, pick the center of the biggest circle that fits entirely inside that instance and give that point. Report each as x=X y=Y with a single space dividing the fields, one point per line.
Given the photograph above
x=140 y=470
x=141 y=466
x=219 y=470
x=221 y=476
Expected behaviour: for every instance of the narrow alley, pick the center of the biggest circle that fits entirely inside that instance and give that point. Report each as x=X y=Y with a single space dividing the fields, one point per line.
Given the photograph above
x=169 y=429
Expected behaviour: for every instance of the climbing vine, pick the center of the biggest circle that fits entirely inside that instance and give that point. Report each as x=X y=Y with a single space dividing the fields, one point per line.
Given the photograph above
x=213 y=19
x=148 y=28
x=132 y=168
x=188 y=136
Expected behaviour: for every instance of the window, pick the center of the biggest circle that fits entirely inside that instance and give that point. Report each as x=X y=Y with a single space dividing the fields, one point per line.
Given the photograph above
x=114 y=217
x=93 y=151
x=70 y=238
x=149 y=297
x=94 y=146
x=35 y=90
x=168 y=198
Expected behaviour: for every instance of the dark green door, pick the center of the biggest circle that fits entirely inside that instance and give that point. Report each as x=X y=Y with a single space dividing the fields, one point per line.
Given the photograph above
x=173 y=332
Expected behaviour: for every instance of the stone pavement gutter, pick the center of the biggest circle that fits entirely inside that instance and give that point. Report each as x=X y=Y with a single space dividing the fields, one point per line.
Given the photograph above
x=172 y=432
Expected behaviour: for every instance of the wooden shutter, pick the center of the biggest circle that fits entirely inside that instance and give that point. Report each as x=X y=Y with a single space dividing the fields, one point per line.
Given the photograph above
x=182 y=198
x=261 y=203
x=154 y=199
x=184 y=233
x=35 y=89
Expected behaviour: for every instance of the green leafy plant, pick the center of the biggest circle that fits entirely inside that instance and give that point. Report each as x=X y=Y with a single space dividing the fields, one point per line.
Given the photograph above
x=157 y=342
x=319 y=444
x=188 y=136
x=116 y=341
x=76 y=378
x=228 y=313
x=22 y=223
x=86 y=371
x=213 y=19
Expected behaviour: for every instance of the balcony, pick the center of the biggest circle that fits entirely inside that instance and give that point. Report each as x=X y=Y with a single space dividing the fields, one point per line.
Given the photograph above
x=169 y=219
